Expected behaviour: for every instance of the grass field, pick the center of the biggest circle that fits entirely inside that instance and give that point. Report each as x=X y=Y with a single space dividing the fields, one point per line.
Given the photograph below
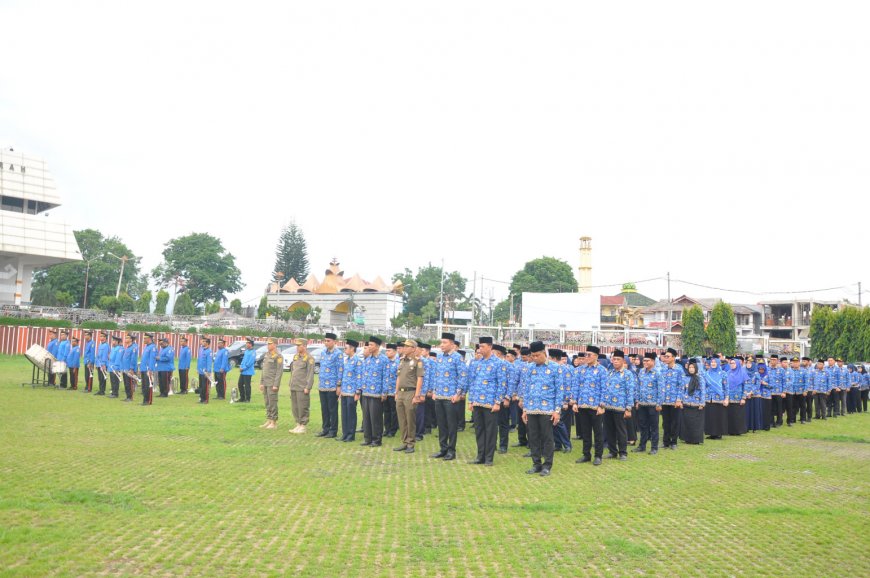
x=91 y=487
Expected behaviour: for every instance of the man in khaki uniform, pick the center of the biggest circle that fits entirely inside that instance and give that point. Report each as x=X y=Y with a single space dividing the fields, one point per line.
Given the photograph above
x=270 y=381
x=301 y=382
x=409 y=381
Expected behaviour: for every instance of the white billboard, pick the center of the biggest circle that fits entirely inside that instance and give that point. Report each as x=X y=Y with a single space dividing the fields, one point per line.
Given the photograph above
x=576 y=311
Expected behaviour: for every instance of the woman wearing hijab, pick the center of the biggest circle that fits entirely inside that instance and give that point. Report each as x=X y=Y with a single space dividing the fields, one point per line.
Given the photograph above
x=694 y=398
x=863 y=388
x=853 y=397
x=715 y=414
x=737 y=379
x=761 y=396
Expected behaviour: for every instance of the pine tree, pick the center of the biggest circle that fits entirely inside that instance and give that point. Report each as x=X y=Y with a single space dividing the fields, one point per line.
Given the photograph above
x=291 y=255
x=722 y=329
x=184 y=305
x=693 y=331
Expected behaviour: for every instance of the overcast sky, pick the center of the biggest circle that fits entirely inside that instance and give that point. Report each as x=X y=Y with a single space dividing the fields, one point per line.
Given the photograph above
x=726 y=143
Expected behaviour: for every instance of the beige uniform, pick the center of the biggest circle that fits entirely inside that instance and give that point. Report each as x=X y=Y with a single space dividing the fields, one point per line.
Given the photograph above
x=301 y=378
x=273 y=369
x=410 y=371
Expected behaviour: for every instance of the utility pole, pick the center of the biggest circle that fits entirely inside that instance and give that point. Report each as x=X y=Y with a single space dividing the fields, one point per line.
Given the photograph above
x=670 y=313
x=859 y=294
x=441 y=299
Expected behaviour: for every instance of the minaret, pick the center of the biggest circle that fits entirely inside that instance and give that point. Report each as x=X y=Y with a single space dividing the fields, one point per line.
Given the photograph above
x=585 y=264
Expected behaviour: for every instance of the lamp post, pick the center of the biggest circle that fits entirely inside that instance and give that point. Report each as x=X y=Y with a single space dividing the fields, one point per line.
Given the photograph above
x=123 y=261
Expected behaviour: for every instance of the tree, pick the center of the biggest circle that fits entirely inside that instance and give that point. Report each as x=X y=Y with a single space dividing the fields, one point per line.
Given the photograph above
x=184 y=305
x=110 y=304
x=300 y=312
x=693 y=331
x=143 y=304
x=102 y=275
x=161 y=302
x=211 y=308
x=126 y=302
x=236 y=306
x=821 y=334
x=263 y=308
x=722 y=329
x=543 y=275
x=425 y=287
x=201 y=263
x=291 y=255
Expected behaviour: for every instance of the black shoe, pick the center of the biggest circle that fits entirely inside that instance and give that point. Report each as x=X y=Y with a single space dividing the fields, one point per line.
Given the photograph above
x=202 y=401
x=545 y=472
x=418 y=438
x=622 y=457
x=113 y=396
x=126 y=399
x=639 y=450
x=527 y=455
x=475 y=462
x=364 y=444
x=330 y=435
x=673 y=447
x=502 y=450
x=597 y=461
x=519 y=445
x=534 y=470
x=376 y=444
x=449 y=457
x=342 y=439
x=487 y=464
x=409 y=449
x=144 y=403
x=320 y=434
x=583 y=460
x=611 y=456
x=653 y=452
x=350 y=439
x=438 y=455
x=100 y=393
x=400 y=448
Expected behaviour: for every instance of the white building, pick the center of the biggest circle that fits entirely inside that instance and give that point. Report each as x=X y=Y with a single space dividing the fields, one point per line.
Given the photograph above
x=341 y=300
x=28 y=238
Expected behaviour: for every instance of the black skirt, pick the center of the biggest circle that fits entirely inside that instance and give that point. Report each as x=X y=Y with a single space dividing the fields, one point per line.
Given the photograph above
x=692 y=431
x=736 y=419
x=715 y=419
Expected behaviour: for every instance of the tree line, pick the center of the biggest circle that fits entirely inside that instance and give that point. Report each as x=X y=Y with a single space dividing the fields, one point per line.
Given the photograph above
x=844 y=333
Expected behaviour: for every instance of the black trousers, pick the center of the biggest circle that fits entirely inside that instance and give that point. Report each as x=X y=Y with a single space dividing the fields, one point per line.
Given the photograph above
x=852 y=400
x=116 y=383
x=541 y=444
x=204 y=388
x=485 y=431
x=89 y=378
x=864 y=395
x=776 y=407
x=220 y=384
x=329 y=412
x=821 y=406
x=842 y=401
x=420 y=419
x=670 y=425
x=790 y=407
x=128 y=385
x=805 y=407
x=147 y=392
x=648 y=422
x=445 y=415
x=163 y=382
x=101 y=377
x=503 y=418
x=182 y=380
x=63 y=379
x=522 y=429
x=373 y=419
x=459 y=408
x=591 y=430
x=431 y=418
x=244 y=386
x=617 y=436
x=348 y=417
x=391 y=418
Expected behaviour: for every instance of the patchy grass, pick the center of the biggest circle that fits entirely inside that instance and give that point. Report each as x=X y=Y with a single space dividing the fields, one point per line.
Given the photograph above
x=94 y=487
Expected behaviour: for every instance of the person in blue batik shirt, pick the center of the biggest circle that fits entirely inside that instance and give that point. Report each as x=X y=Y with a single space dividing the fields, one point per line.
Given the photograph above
x=449 y=383
x=165 y=366
x=863 y=388
x=588 y=387
x=673 y=385
x=617 y=401
x=737 y=379
x=351 y=374
x=716 y=413
x=761 y=392
x=648 y=404
x=542 y=397
x=329 y=382
x=220 y=368
x=487 y=384
x=51 y=347
x=693 y=401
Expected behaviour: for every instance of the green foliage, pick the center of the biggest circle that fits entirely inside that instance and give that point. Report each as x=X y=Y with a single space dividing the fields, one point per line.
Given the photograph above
x=501 y=313
x=152 y=327
x=263 y=308
x=183 y=305
x=109 y=303
x=201 y=265
x=543 y=275
x=300 y=312
x=161 y=302
x=211 y=308
x=126 y=302
x=844 y=333
x=693 y=331
x=236 y=306
x=423 y=291
x=291 y=255
x=722 y=331
x=143 y=304
x=23 y=322
x=102 y=275
x=99 y=325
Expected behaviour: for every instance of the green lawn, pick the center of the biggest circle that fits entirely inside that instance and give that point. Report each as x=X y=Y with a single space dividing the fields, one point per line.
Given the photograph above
x=91 y=486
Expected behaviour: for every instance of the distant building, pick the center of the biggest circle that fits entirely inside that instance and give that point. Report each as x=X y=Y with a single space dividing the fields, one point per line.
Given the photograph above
x=341 y=300
x=669 y=316
x=791 y=319
x=28 y=238
x=624 y=309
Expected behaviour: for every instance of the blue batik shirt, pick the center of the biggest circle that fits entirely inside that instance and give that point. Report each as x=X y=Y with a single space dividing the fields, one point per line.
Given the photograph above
x=649 y=388
x=543 y=388
x=487 y=381
x=451 y=375
x=330 y=370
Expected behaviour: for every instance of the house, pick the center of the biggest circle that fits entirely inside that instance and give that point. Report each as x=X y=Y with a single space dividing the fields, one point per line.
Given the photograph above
x=790 y=320
x=624 y=309
x=669 y=316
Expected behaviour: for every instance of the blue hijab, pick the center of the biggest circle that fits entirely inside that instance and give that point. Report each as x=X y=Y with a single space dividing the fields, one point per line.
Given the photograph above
x=737 y=376
x=715 y=375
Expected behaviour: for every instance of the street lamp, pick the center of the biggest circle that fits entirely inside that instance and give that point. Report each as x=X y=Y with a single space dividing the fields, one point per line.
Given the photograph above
x=87 y=272
x=123 y=260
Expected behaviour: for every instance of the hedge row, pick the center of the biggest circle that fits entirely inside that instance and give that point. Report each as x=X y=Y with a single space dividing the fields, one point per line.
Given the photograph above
x=34 y=322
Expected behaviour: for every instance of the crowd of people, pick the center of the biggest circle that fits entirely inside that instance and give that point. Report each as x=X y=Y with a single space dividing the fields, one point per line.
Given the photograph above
x=532 y=392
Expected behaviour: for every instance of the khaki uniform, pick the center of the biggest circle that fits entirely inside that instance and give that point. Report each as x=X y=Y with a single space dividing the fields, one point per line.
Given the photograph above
x=410 y=370
x=301 y=378
x=273 y=369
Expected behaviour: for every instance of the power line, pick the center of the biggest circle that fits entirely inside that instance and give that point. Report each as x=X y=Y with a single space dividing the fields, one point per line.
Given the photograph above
x=761 y=292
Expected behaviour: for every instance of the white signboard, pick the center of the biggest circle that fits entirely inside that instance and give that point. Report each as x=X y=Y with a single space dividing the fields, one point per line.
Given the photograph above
x=576 y=311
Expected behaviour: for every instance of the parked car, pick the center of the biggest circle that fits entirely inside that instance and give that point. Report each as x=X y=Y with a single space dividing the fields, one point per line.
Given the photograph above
x=315 y=351
x=236 y=351
x=281 y=348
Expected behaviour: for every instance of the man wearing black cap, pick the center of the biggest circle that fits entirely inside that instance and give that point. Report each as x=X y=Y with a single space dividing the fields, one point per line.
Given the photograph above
x=165 y=366
x=246 y=371
x=409 y=383
x=102 y=362
x=329 y=382
x=543 y=396
x=114 y=366
x=147 y=368
x=487 y=387
x=673 y=378
x=89 y=356
x=805 y=403
x=617 y=401
x=184 y=366
x=522 y=430
x=648 y=403
x=450 y=379
x=374 y=392
x=391 y=419
x=585 y=396
x=129 y=365
x=425 y=405
x=348 y=390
